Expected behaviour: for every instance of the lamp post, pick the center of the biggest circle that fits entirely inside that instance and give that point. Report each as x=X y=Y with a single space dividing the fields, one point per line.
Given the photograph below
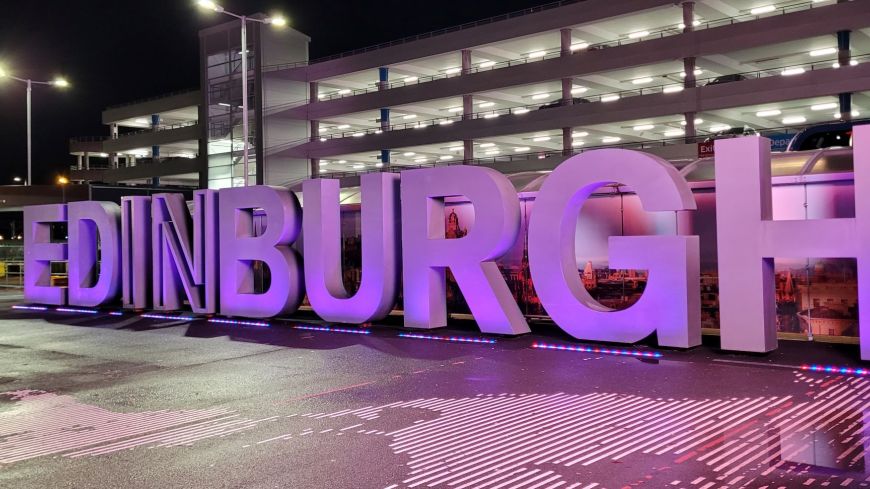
x=63 y=181
x=57 y=82
x=274 y=20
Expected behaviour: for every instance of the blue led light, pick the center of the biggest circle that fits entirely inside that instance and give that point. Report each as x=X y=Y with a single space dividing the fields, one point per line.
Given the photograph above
x=330 y=329
x=116 y=313
x=30 y=308
x=455 y=339
x=69 y=309
x=831 y=369
x=605 y=351
x=239 y=323
x=172 y=318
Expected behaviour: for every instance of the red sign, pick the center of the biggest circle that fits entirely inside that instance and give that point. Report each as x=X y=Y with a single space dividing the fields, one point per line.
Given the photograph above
x=706 y=149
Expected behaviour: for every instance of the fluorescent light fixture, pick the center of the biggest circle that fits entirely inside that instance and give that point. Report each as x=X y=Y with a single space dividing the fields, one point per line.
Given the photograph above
x=359 y=134
x=537 y=54
x=344 y=91
x=853 y=62
x=452 y=71
x=762 y=10
x=342 y=162
x=644 y=127
x=421 y=125
x=222 y=104
x=521 y=110
x=828 y=106
x=540 y=96
x=577 y=89
x=324 y=162
x=409 y=117
x=823 y=52
x=793 y=71
x=141 y=121
x=610 y=98
x=642 y=81
x=492 y=152
x=445 y=122
x=456 y=148
x=697 y=72
x=795 y=119
x=487 y=64
x=768 y=113
x=490 y=116
x=420 y=160
x=541 y=139
x=484 y=105
x=577 y=143
x=579 y=134
x=409 y=154
x=638 y=35
x=610 y=139
x=673 y=89
x=855 y=113
x=522 y=149
x=579 y=45
x=411 y=79
x=379 y=165
x=358 y=166
x=343 y=126
x=322 y=140
x=378 y=131
x=321 y=95
x=487 y=145
x=674 y=133
x=719 y=127
x=446 y=157
x=454 y=109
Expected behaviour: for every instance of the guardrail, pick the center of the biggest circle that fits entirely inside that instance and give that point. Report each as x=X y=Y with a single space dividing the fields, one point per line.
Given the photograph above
x=666 y=31
x=675 y=85
x=155 y=97
x=526 y=156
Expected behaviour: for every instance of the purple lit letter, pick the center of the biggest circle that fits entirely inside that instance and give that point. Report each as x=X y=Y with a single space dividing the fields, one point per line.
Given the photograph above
x=749 y=239
x=471 y=259
x=380 y=254
x=670 y=304
x=94 y=227
x=39 y=252
x=184 y=260
x=135 y=258
x=240 y=248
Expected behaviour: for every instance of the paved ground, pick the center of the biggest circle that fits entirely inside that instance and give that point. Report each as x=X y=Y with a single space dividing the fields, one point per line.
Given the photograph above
x=93 y=400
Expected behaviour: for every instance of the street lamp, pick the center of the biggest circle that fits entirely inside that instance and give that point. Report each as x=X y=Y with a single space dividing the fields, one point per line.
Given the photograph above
x=57 y=82
x=16 y=179
x=275 y=20
x=63 y=181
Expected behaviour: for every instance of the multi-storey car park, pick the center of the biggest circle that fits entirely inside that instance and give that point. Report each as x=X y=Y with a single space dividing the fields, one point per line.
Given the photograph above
x=518 y=92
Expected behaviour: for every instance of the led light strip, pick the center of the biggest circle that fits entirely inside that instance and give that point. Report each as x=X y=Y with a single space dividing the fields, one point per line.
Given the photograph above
x=85 y=311
x=605 y=351
x=329 y=329
x=239 y=323
x=116 y=313
x=455 y=339
x=30 y=308
x=835 y=370
x=161 y=316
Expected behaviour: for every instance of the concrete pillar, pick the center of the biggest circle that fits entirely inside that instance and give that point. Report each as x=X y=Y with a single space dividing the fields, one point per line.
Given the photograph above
x=691 y=132
x=314 y=167
x=845 y=106
x=155 y=126
x=79 y=162
x=87 y=161
x=383 y=84
x=565 y=42
x=466 y=61
x=688 y=16
x=467 y=151
x=113 y=133
x=385 y=158
x=567 y=141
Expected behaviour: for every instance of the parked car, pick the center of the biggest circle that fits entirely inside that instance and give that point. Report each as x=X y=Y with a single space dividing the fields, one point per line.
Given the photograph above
x=558 y=103
x=833 y=135
x=726 y=79
x=734 y=132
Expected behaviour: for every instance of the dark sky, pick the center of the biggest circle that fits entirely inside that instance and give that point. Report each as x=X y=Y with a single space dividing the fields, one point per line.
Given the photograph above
x=115 y=51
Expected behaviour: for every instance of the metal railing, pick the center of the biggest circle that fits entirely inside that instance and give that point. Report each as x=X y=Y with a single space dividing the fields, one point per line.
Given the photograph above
x=531 y=155
x=662 y=32
x=603 y=97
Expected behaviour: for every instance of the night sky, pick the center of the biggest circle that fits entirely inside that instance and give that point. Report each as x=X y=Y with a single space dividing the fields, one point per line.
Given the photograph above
x=116 y=51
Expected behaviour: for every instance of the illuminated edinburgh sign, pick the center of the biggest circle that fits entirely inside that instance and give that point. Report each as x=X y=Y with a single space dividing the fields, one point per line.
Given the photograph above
x=153 y=252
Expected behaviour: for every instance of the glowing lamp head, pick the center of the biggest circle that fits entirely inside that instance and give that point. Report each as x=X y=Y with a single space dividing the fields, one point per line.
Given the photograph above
x=3 y=72
x=60 y=82
x=209 y=4
x=62 y=180
x=277 y=20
